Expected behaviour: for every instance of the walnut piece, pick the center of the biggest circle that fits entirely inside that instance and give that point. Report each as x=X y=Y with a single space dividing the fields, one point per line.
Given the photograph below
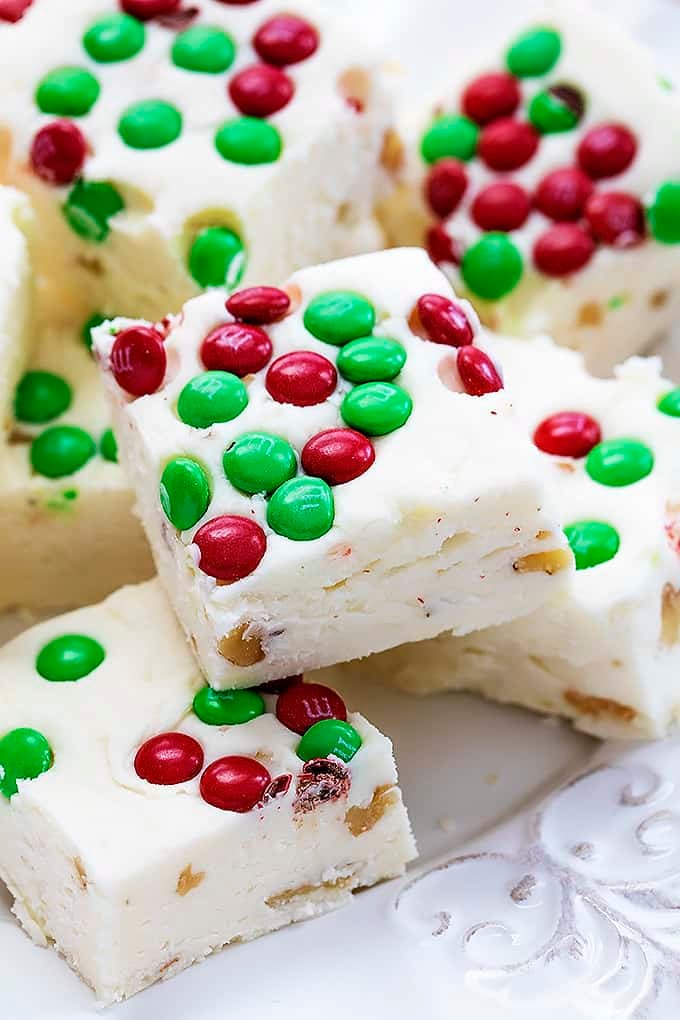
x=321 y=781
x=658 y=298
x=83 y=880
x=392 y=152
x=590 y=314
x=588 y=704
x=548 y=562
x=670 y=615
x=282 y=899
x=362 y=819
x=188 y=880
x=240 y=650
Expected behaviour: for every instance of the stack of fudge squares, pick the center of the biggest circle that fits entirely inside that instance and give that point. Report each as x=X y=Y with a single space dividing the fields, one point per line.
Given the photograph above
x=233 y=355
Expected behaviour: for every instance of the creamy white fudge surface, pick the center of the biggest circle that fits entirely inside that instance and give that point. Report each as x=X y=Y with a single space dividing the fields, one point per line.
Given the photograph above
x=201 y=146
x=15 y=294
x=351 y=492
x=152 y=832
x=605 y=651
x=544 y=180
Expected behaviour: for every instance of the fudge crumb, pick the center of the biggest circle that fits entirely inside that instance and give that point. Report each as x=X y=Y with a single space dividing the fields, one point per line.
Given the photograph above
x=542 y=535
x=240 y=650
x=588 y=704
x=548 y=562
x=658 y=298
x=362 y=819
x=392 y=152
x=188 y=880
x=322 y=780
x=168 y=965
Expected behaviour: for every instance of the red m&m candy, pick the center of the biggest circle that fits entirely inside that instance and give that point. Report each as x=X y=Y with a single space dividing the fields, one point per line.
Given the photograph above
x=502 y=205
x=441 y=247
x=507 y=144
x=562 y=194
x=168 y=759
x=260 y=90
x=442 y=321
x=236 y=347
x=234 y=783
x=146 y=9
x=58 y=152
x=231 y=547
x=303 y=378
x=568 y=434
x=259 y=305
x=138 y=360
x=477 y=371
x=13 y=10
x=616 y=218
x=285 y=39
x=563 y=249
x=337 y=455
x=445 y=185
x=301 y=706
x=606 y=150
x=490 y=96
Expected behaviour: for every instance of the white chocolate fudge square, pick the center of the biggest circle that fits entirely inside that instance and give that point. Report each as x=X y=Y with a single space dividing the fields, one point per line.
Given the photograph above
x=148 y=821
x=360 y=483
x=208 y=144
x=544 y=179
x=605 y=652
x=15 y=294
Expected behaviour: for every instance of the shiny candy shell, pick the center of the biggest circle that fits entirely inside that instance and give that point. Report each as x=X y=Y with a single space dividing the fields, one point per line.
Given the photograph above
x=442 y=321
x=338 y=316
x=490 y=96
x=24 y=754
x=261 y=90
x=445 y=185
x=285 y=39
x=138 y=360
x=227 y=708
x=302 y=378
x=302 y=509
x=234 y=783
x=376 y=408
x=69 y=657
x=568 y=434
x=337 y=455
x=371 y=359
x=259 y=462
x=477 y=371
x=211 y=397
x=58 y=152
x=168 y=759
x=259 y=306
x=237 y=348
x=329 y=736
x=619 y=462
x=230 y=547
x=302 y=705
x=184 y=492
x=592 y=543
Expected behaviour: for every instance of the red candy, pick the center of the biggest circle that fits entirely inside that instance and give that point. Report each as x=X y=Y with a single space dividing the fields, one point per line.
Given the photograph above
x=285 y=39
x=138 y=360
x=231 y=547
x=337 y=455
x=13 y=10
x=146 y=9
x=507 y=144
x=616 y=218
x=441 y=247
x=477 y=371
x=490 y=96
x=234 y=783
x=58 y=152
x=445 y=185
x=301 y=706
x=168 y=759
x=443 y=321
x=501 y=206
x=302 y=378
x=260 y=90
x=259 y=305
x=606 y=150
x=235 y=347
x=568 y=434
x=562 y=194
x=563 y=249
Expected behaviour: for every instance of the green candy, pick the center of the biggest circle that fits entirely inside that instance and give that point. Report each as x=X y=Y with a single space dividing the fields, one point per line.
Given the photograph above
x=259 y=462
x=184 y=492
x=248 y=140
x=211 y=397
x=217 y=258
x=117 y=37
x=592 y=543
x=301 y=509
x=371 y=359
x=376 y=408
x=24 y=754
x=89 y=207
x=337 y=316
x=454 y=136
x=86 y=332
x=492 y=267
x=618 y=462
x=61 y=450
x=329 y=736
x=69 y=658
x=534 y=53
x=204 y=49
x=108 y=447
x=227 y=708
x=664 y=213
x=150 y=124
x=41 y=397
x=67 y=92
x=550 y=114
x=669 y=403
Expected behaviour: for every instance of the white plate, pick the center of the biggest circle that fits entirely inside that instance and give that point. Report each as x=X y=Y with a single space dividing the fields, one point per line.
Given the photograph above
x=534 y=895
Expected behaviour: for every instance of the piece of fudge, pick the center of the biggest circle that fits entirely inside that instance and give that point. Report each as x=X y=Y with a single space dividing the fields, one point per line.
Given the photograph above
x=545 y=180
x=172 y=148
x=147 y=820
x=15 y=297
x=605 y=651
x=327 y=468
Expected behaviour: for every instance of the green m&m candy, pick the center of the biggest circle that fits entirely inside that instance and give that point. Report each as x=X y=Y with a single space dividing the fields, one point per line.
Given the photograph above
x=556 y=109
x=61 y=450
x=203 y=49
x=108 y=447
x=618 y=462
x=259 y=462
x=534 y=53
x=24 y=754
x=67 y=92
x=150 y=124
x=40 y=397
x=227 y=708
x=184 y=492
x=248 y=140
x=669 y=403
x=329 y=736
x=69 y=657
x=371 y=359
x=116 y=37
x=450 y=136
x=301 y=509
x=337 y=316
x=89 y=207
x=217 y=258
x=211 y=397
x=492 y=267
x=664 y=213
x=592 y=543
x=376 y=408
